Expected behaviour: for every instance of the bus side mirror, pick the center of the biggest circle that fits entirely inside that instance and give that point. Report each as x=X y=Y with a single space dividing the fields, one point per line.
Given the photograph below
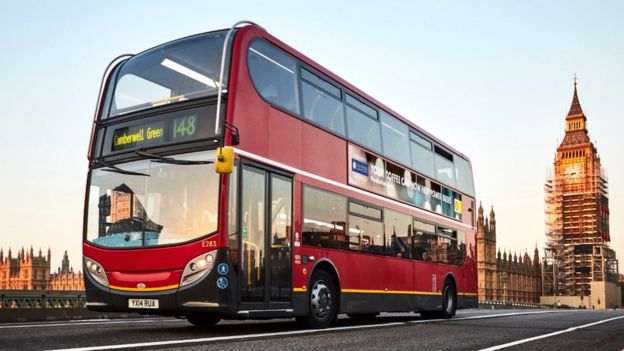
x=224 y=162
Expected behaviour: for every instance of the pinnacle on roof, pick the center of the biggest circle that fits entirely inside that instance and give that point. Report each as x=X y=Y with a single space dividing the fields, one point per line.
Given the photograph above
x=575 y=107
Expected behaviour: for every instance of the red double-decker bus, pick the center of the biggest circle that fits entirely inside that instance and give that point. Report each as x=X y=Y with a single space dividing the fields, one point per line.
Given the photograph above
x=231 y=176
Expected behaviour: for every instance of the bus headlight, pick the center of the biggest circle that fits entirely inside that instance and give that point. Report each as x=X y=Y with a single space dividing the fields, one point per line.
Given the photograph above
x=197 y=268
x=96 y=271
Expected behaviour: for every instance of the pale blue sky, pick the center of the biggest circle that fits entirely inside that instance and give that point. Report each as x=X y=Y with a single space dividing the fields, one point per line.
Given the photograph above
x=491 y=78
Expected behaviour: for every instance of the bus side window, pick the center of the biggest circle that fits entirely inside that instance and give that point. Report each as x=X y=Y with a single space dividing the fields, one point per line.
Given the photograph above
x=424 y=241
x=399 y=240
x=273 y=73
x=365 y=235
x=324 y=218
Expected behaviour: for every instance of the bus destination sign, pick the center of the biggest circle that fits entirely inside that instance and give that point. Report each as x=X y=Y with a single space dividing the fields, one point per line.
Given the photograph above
x=157 y=132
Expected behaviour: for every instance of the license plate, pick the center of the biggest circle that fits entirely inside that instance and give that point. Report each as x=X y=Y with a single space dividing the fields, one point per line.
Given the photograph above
x=142 y=303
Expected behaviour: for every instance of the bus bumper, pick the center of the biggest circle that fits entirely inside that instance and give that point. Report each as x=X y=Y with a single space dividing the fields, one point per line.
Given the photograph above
x=216 y=292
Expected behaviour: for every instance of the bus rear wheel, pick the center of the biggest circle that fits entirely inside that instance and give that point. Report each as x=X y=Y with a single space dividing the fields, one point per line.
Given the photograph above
x=449 y=300
x=203 y=320
x=321 y=302
x=449 y=303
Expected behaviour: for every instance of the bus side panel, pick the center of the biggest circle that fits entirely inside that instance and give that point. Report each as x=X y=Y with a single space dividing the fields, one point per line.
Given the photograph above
x=400 y=278
x=470 y=300
x=363 y=281
x=285 y=135
x=300 y=281
x=251 y=119
x=324 y=154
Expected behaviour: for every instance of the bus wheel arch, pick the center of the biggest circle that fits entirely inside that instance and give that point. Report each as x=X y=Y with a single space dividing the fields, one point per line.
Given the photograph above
x=323 y=293
x=329 y=267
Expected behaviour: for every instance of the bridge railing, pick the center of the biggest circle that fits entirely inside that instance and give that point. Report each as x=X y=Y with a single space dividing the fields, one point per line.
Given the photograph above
x=41 y=299
x=506 y=305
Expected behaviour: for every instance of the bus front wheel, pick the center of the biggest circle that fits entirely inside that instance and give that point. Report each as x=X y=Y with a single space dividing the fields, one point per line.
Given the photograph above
x=321 y=301
x=203 y=320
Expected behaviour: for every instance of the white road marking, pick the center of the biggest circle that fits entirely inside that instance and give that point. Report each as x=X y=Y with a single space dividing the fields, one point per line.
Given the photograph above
x=483 y=316
x=522 y=341
x=285 y=333
x=225 y=338
x=88 y=322
x=507 y=314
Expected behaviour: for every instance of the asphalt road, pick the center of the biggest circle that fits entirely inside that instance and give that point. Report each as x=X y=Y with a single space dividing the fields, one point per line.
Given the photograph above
x=469 y=330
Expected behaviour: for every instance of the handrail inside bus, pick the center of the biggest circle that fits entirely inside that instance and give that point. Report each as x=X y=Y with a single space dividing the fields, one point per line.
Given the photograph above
x=221 y=90
x=107 y=73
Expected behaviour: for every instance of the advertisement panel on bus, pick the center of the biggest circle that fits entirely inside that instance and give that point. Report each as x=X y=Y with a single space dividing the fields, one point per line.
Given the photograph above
x=374 y=173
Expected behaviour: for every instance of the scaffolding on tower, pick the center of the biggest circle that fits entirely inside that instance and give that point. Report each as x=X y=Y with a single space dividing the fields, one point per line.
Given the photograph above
x=577 y=249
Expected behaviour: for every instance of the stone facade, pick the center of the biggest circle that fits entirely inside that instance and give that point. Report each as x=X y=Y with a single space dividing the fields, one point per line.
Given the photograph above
x=28 y=271
x=503 y=277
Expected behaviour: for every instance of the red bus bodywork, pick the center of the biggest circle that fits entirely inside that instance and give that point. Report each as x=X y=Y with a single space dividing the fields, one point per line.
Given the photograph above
x=272 y=137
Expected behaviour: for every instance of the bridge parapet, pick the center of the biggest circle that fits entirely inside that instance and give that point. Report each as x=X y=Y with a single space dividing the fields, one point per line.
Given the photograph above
x=41 y=299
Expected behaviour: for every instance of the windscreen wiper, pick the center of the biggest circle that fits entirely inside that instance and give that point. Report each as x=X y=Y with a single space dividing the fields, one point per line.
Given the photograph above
x=113 y=168
x=170 y=160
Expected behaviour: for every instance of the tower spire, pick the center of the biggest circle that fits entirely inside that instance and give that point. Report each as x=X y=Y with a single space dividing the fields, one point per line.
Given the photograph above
x=575 y=107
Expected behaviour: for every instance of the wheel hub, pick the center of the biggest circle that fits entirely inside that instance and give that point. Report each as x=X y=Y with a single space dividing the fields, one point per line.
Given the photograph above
x=320 y=299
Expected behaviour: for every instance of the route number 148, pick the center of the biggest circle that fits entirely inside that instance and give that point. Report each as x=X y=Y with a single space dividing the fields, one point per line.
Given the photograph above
x=184 y=127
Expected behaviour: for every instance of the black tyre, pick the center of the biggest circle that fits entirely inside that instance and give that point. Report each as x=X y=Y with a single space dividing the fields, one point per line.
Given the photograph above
x=203 y=320
x=449 y=300
x=322 y=299
x=449 y=303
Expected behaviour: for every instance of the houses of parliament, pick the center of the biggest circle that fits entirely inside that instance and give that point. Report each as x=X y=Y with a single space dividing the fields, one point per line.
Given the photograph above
x=504 y=277
x=27 y=271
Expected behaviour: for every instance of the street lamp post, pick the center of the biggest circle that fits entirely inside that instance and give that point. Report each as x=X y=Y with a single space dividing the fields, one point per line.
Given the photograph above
x=551 y=253
x=504 y=282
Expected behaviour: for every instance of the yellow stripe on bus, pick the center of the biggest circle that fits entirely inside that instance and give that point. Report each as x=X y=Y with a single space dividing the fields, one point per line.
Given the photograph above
x=395 y=292
x=406 y=292
x=160 y=288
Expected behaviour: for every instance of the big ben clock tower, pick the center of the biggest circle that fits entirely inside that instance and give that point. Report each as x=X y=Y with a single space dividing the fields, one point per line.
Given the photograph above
x=577 y=218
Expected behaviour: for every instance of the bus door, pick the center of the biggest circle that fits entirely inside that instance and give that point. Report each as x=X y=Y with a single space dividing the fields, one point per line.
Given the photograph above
x=266 y=230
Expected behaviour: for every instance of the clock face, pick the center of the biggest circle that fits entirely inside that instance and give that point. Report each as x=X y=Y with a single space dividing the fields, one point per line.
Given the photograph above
x=572 y=171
